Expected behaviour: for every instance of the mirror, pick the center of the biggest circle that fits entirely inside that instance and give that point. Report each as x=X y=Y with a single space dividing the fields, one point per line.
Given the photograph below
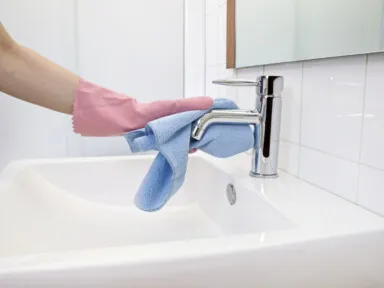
x=275 y=31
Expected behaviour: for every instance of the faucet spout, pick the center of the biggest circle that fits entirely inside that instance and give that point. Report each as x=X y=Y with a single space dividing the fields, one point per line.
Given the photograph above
x=266 y=119
x=225 y=116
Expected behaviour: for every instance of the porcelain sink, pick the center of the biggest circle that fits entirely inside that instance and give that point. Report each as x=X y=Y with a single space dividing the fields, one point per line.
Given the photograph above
x=89 y=204
x=73 y=223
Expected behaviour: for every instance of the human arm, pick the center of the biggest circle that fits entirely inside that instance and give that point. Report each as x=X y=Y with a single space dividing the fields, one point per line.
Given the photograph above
x=97 y=111
x=28 y=76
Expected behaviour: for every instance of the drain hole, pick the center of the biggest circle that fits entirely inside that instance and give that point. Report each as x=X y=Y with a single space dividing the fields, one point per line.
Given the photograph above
x=231 y=194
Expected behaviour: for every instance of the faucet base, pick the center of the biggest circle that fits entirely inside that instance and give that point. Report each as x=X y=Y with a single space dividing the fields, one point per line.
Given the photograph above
x=263 y=176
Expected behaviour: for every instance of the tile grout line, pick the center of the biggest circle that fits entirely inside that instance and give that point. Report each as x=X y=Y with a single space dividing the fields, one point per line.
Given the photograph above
x=329 y=191
x=362 y=129
x=76 y=36
x=363 y=108
x=321 y=187
x=301 y=115
x=290 y=142
x=205 y=45
x=76 y=25
x=184 y=47
x=371 y=167
x=330 y=154
x=335 y=194
x=335 y=156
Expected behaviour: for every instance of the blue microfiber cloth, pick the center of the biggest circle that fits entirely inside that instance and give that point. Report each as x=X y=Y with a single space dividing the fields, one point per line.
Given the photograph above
x=171 y=136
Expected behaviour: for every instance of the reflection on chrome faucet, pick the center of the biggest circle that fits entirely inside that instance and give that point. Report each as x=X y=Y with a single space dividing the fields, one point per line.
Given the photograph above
x=266 y=118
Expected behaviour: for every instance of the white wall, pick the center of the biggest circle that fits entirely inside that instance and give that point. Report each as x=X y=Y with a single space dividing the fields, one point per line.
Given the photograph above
x=129 y=46
x=134 y=47
x=47 y=27
x=333 y=116
x=215 y=39
x=194 y=48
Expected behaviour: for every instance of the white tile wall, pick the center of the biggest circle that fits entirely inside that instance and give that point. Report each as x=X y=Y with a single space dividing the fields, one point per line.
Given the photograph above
x=222 y=41
x=223 y=91
x=333 y=116
x=371 y=189
x=142 y=54
x=289 y=157
x=332 y=173
x=211 y=5
x=373 y=138
x=215 y=52
x=212 y=37
x=136 y=50
x=212 y=73
x=194 y=48
x=333 y=91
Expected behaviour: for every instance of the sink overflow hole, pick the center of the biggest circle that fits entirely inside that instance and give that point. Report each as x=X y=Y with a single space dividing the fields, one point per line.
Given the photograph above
x=231 y=194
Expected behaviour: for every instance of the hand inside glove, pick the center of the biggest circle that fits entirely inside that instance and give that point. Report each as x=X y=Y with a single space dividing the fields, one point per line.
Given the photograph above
x=102 y=112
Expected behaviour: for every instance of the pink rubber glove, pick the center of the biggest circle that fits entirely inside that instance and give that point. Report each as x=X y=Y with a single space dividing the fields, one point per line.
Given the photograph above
x=100 y=112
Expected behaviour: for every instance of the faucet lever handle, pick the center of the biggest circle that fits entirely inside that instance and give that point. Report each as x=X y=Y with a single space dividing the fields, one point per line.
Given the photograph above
x=265 y=85
x=236 y=82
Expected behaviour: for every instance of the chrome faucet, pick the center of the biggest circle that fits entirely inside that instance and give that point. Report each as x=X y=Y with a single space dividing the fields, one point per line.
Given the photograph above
x=266 y=119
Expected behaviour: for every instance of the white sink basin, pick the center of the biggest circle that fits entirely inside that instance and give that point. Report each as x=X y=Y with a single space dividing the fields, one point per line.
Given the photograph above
x=73 y=223
x=68 y=205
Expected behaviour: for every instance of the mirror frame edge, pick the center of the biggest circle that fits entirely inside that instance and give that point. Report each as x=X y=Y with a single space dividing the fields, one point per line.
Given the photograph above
x=231 y=35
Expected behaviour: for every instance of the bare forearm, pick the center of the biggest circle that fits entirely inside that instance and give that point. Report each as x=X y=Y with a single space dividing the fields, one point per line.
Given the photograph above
x=26 y=75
